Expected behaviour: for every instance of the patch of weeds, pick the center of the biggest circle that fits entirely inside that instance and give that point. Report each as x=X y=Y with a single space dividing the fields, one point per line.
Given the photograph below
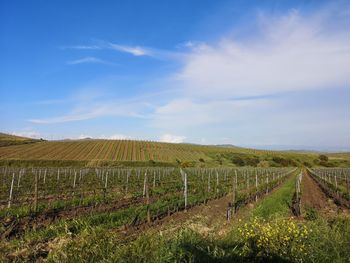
x=311 y=214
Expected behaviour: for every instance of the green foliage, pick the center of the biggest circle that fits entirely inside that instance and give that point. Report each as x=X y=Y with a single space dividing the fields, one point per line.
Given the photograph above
x=311 y=214
x=258 y=240
x=284 y=161
x=323 y=157
x=278 y=203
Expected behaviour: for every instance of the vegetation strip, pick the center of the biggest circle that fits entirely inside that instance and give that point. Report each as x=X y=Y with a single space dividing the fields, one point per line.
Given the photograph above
x=278 y=203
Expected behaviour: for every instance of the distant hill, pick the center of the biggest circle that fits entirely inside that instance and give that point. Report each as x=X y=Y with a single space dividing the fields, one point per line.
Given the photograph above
x=96 y=152
x=9 y=139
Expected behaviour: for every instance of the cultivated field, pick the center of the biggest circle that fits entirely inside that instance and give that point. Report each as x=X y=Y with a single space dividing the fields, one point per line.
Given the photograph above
x=225 y=206
x=92 y=153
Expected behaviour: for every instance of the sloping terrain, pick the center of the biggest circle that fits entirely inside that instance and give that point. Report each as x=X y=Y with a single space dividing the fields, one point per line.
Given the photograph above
x=92 y=152
x=8 y=140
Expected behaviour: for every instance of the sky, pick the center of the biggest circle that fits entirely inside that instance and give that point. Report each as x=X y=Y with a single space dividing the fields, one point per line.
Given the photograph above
x=265 y=74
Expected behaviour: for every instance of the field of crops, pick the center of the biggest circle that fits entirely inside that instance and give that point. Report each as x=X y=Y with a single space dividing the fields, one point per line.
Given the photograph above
x=92 y=153
x=34 y=189
x=336 y=181
x=84 y=206
x=91 y=209
x=117 y=150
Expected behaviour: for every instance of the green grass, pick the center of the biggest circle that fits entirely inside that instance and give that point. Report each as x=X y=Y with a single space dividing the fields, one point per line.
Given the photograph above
x=278 y=203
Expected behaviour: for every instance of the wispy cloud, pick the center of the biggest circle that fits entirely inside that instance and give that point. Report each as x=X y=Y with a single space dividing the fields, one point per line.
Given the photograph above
x=172 y=138
x=87 y=107
x=91 y=112
x=136 y=51
x=84 y=47
x=88 y=60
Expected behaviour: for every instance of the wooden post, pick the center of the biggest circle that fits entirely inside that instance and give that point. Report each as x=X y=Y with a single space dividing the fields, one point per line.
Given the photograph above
x=106 y=181
x=144 y=184
x=11 y=189
x=19 y=178
x=248 y=179
x=185 y=192
x=256 y=186
x=267 y=183
x=209 y=182
x=185 y=187
x=236 y=179
x=336 y=183
x=228 y=212
x=154 y=180
x=217 y=183
x=45 y=176
x=75 y=178
x=127 y=182
x=234 y=185
x=36 y=192
x=147 y=200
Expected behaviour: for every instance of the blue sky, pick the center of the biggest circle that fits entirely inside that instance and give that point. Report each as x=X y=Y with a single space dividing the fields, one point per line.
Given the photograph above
x=253 y=73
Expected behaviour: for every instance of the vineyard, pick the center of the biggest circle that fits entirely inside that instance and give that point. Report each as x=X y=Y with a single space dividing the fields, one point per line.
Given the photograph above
x=69 y=201
x=92 y=153
x=44 y=204
x=167 y=189
x=335 y=182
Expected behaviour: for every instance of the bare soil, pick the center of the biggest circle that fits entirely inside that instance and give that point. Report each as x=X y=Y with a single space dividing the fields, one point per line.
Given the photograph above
x=313 y=196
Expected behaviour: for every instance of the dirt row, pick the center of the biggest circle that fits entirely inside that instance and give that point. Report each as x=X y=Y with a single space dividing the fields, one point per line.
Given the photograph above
x=316 y=197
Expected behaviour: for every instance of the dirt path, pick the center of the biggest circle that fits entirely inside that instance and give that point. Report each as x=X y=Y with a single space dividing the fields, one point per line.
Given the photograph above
x=313 y=197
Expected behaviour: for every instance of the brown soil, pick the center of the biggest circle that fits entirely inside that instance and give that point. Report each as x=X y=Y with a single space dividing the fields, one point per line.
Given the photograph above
x=314 y=197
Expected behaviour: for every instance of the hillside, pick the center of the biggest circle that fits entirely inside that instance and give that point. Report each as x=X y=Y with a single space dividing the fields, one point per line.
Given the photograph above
x=95 y=152
x=9 y=139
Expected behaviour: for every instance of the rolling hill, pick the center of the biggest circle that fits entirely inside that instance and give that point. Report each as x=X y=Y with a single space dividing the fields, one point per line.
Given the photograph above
x=9 y=139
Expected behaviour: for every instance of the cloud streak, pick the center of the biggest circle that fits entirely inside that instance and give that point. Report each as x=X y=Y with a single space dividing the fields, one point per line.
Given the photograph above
x=92 y=111
x=137 y=51
x=88 y=60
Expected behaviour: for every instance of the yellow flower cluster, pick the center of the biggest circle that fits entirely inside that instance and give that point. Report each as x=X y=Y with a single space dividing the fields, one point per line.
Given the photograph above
x=283 y=237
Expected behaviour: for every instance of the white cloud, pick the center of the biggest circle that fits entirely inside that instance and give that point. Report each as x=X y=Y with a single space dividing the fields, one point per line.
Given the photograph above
x=107 y=137
x=172 y=138
x=90 y=60
x=289 y=53
x=27 y=133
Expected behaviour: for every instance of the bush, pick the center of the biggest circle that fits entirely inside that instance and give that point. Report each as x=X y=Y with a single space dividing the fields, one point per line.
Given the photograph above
x=323 y=158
